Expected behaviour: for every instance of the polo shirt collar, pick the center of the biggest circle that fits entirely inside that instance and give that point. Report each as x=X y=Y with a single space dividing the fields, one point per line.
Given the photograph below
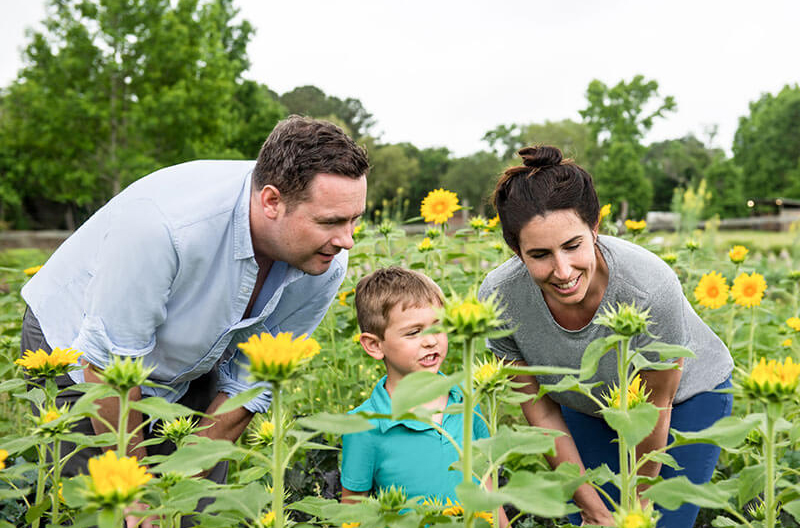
x=382 y=403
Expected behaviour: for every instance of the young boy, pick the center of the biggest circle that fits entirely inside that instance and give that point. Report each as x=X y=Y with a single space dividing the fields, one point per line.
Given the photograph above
x=395 y=306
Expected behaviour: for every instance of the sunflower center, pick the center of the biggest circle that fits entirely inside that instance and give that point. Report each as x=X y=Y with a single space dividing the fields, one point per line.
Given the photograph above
x=749 y=290
x=713 y=291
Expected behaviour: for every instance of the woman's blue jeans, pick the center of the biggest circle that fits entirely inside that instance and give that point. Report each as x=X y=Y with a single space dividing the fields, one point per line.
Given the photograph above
x=594 y=440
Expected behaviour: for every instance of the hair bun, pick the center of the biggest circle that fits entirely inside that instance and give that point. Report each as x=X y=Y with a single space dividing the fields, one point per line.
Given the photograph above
x=540 y=156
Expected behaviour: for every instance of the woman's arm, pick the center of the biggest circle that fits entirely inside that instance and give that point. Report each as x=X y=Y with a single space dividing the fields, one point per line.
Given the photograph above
x=662 y=384
x=547 y=413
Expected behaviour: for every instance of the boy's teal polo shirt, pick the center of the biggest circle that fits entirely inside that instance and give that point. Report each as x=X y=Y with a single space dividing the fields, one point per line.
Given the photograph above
x=405 y=453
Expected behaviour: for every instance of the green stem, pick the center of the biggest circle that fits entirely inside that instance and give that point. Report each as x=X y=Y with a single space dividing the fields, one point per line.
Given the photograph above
x=466 y=460
x=56 y=481
x=277 y=461
x=40 y=481
x=770 y=505
x=750 y=357
x=730 y=333
x=624 y=451
x=122 y=425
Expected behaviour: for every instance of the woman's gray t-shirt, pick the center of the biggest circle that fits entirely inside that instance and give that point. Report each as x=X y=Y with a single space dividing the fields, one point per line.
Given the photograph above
x=635 y=275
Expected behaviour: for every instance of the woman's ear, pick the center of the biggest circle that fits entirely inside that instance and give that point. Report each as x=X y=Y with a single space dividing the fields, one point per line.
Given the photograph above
x=372 y=345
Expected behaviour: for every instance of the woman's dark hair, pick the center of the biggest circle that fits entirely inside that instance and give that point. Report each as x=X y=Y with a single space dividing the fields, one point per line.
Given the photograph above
x=545 y=182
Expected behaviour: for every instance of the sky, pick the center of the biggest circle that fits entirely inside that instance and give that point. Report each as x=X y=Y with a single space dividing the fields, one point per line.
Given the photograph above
x=443 y=73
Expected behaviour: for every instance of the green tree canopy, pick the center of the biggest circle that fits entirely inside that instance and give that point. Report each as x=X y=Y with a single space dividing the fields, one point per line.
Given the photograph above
x=676 y=163
x=112 y=89
x=473 y=178
x=313 y=102
x=572 y=138
x=767 y=146
x=618 y=118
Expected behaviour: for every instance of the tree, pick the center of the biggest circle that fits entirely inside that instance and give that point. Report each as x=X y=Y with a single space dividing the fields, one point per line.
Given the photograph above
x=311 y=101
x=392 y=171
x=725 y=181
x=256 y=111
x=572 y=138
x=619 y=178
x=433 y=164
x=676 y=163
x=766 y=145
x=618 y=118
x=112 y=89
x=623 y=113
x=473 y=178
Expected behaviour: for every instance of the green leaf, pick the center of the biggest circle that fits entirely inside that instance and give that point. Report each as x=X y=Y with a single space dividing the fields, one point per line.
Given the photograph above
x=640 y=362
x=793 y=508
x=161 y=409
x=594 y=352
x=478 y=499
x=194 y=458
x=38 y=509
x=667 y=351
x=537 y=370
x=311 y=505
x=12 y=385
x=107 y=519
x=673 y=492
x=544 y=494
x=6 y=494
x=567 y=383
x=728 y=432
x=252 y=473
x=336 y=423
x=239 y=400
x=751 y=482
x=523 y=441
x=248 y=501
x=35 y=396
x=634 y=424
x=419 y=388
x=720 y=521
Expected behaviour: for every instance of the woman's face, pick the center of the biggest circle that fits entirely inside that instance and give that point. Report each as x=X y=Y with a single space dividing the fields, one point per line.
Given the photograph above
x=559 y=251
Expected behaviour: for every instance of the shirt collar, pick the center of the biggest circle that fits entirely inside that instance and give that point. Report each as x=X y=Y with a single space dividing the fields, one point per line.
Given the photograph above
x=382 y=403
x=242 y=242
x=242 y=239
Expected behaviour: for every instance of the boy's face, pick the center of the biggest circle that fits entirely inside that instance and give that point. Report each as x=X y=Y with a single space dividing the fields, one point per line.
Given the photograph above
x=405 y=348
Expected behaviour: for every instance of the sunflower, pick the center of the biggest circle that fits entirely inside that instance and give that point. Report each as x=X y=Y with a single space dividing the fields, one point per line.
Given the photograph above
x=3 y=457
x=737 y=254
x=773 y=380
x=604 y=212
x=748 y=290
x=425 y=245
x=635 y=226
x=30 y=272
x=712 y=291
x=492 y=223
x=637 y=393
x=438 y=207
x=787 y=343
x=794 y=323
x=268 y=519
x=116 y=480
x=275 y=358
x=40 y=363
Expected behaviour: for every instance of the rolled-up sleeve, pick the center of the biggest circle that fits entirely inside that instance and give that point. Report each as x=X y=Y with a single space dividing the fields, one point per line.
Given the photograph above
x=234 y=379
x=126 y=297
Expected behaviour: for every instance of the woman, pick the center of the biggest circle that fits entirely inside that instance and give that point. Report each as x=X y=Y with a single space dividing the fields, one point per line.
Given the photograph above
x=563 y=274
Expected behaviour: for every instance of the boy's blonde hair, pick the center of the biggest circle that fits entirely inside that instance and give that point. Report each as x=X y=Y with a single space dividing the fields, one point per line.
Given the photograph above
x=385 y=288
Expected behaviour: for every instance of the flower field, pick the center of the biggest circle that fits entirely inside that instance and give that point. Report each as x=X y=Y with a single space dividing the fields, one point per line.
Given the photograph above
x=283 y=470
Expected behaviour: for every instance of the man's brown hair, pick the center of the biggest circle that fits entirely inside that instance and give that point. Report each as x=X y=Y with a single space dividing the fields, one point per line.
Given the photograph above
x=385 y=288
x=299 y=148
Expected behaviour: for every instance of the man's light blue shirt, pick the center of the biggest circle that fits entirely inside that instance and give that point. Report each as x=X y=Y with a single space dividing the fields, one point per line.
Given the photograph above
x=165 y=270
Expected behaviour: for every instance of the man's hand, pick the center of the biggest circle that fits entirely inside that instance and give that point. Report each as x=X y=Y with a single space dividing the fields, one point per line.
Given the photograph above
x=132 y=521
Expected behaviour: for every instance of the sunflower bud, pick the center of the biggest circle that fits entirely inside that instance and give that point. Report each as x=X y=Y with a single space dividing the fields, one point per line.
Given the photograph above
x=637 y=517
x=738 y=254
x=773 y=381
x=625 y=319
x=469 y=317
x=278 y=358
x=178 y=429
x=125 y=373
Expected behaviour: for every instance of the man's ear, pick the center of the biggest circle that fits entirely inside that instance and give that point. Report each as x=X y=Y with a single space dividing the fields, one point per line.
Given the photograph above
x=372 y=345
x=269 y=198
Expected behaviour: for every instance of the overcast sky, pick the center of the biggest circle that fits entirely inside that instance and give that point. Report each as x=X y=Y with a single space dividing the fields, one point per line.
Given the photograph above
x=442 y=73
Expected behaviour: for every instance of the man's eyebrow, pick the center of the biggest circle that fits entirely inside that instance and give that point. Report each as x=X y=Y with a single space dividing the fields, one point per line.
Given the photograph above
x=337 y=218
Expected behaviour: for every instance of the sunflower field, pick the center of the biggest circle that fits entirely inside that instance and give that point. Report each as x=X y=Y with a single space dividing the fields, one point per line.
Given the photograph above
x=283 y=471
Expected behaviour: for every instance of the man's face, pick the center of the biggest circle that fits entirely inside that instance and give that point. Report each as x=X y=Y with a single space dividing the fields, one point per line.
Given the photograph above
x=310 y=233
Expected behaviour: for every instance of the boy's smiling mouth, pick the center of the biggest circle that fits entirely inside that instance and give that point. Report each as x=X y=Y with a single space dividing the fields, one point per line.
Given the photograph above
x=429 y=360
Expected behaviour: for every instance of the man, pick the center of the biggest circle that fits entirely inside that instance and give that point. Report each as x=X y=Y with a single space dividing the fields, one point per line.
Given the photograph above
x=193 y=259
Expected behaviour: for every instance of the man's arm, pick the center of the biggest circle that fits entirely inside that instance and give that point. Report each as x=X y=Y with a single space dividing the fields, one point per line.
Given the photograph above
x=109 y=411
x=228 y=426
x=546 y=413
